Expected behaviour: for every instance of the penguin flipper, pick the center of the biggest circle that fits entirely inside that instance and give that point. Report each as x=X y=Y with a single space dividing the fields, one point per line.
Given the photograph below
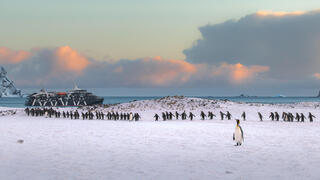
x=233 y=137
x=241 y=134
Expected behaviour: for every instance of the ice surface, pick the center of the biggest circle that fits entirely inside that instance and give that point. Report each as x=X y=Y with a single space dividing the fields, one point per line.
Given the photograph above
x=102 y=149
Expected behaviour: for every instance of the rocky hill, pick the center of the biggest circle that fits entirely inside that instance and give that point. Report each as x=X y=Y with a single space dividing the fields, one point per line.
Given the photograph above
x=7 y=88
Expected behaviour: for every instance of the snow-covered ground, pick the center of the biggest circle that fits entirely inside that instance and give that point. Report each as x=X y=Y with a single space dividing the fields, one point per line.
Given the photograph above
x=103 y=149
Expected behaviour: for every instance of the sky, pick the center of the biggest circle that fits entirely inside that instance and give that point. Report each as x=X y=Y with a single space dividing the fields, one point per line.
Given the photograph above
x=228 y=47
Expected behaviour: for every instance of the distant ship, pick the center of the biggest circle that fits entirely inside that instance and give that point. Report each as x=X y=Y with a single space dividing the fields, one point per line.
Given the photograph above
x=74 y=97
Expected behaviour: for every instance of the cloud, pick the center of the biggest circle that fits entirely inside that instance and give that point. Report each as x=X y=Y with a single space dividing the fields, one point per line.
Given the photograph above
x=8 y=56
x=238 y=73
x=144 y=72
x=287 y=42
x=165 y=72
x=48 y=67
x=62 y=66
x=316 y=75
x=261 y=51
x=279 y=13
x=160 y=72
x=69 y=59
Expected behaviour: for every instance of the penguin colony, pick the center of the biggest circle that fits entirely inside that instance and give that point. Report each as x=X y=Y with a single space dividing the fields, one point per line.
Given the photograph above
x=99 y=115
x=88 y=115
x=164 y=116
x=274 y=116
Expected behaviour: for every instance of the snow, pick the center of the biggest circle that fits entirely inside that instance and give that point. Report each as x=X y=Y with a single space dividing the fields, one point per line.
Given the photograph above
x=103 y=149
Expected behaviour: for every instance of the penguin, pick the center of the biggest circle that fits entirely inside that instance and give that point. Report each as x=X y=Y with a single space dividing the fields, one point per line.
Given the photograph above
x=130 y=116
x=302 y=117
x=191 y=115
x=27 y=111
x=164 y=117
x=290 y=117
x=277 y=116
x=238 y=134
x=171 y=115
x=136 y=117
x=222 y=115
x=284 y=116
x=167 y=116
x=228 y=115
x=210 y=115
x=311 y=116
x=243 y=116
x=184 y=115
x=177 y=115
x=156 y=116
x=271 y=116
x=203 y=115
x=260 y=116
x=297 y=117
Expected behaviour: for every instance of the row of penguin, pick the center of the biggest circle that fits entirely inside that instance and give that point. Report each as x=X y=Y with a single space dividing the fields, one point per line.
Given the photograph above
x=85 y=115
x=274 y=116
x=96 y=114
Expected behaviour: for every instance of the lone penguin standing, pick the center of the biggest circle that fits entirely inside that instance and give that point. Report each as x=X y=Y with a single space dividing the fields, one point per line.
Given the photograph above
x=238 y=134
x=243 y=115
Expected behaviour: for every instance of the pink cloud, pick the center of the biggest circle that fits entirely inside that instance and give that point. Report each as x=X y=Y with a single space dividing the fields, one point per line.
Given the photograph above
x=64 y=65
x=158 y=71
x=239 y=73
x=46 y=65
x=8 y=56
x=70 y=60
x=316 y=75
x=279 y=13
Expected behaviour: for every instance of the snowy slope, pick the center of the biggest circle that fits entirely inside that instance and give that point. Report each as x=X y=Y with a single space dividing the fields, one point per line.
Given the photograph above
x=147 y=108
x=101 y=149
